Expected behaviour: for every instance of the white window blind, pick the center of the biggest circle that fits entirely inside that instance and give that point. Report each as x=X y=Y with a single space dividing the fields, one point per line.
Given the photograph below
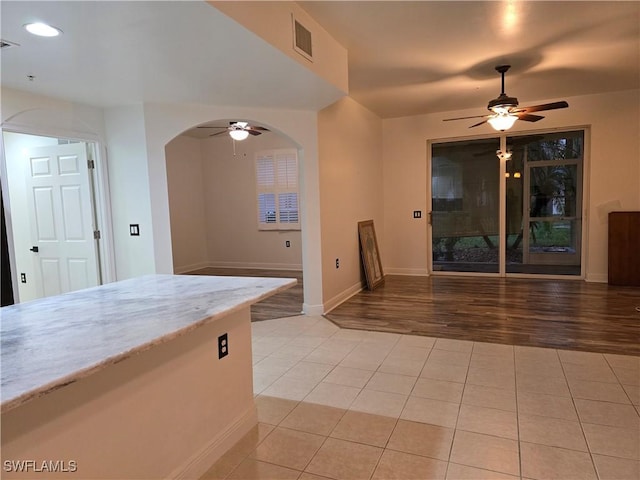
x=277 y=190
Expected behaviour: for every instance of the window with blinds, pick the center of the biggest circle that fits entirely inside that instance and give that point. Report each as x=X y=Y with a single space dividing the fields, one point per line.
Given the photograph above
x=277 y=190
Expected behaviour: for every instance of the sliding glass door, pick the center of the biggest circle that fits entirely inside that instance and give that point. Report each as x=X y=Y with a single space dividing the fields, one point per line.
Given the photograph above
x=544 y=203
x=465 y=206
x=531 y=205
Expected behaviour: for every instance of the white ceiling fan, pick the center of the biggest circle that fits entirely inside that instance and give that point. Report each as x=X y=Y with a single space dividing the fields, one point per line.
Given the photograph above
x=238 y=130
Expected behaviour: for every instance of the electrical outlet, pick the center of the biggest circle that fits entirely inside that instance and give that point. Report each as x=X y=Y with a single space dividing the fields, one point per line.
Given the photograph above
x=134 y=230
x=337 y=263
x=417 y=214
x=23 y=277
x=223 y=346
x=287 y=244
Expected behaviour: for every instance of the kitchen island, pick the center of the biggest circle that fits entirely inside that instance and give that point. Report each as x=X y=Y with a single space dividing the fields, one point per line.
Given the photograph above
x=126 y=380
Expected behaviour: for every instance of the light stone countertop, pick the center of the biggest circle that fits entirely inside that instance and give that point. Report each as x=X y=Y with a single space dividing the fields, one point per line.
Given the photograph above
x=54 y=341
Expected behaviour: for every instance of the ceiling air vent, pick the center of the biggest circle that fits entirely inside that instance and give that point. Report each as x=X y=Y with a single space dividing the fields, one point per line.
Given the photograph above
x=302 y=40
x=7 y=44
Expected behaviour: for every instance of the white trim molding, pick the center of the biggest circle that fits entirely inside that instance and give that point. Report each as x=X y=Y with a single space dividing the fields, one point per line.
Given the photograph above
x=199 y=463
x=342 y=297
x=418 y=272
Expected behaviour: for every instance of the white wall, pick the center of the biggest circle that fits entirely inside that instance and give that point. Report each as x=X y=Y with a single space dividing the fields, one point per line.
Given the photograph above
x=163 y=122
x=15 y=145
x=46 y=116
x=213 y=206
x=272 y=22
x=186 y=204
x=351 y=184
x=41 y=115
x=135 y=138
x=130 y=202
x=233 y=237
x=613 y=171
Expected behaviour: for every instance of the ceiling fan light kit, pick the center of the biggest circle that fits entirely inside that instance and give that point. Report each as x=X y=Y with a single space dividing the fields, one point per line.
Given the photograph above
x=238 y=134
x=505 y=111
x=502 y=121
x=238 y=130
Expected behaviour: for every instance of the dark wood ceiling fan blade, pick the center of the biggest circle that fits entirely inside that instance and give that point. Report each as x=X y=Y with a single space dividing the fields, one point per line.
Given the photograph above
x=254 y=132
x=204 y=126
x=217 y=133
x=463 y=118
x=541 y=108
x=478 y=124
x=258 y=128
x=528 y=117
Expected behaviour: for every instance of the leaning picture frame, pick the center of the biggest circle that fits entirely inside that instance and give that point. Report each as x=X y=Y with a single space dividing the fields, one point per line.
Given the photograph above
x=370 y=254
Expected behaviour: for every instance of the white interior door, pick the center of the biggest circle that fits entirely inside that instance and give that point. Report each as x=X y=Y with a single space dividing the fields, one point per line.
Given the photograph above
x=60 y=206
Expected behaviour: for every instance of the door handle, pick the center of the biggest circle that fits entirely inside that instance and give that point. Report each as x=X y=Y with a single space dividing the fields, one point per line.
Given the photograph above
x=34 y=249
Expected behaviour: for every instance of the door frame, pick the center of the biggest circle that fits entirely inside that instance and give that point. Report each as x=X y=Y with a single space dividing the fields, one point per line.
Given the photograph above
x=546 y=258
x=99 y=179
x=502 y=136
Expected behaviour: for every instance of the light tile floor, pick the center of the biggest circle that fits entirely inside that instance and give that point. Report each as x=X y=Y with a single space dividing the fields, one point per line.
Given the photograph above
x=348 y=404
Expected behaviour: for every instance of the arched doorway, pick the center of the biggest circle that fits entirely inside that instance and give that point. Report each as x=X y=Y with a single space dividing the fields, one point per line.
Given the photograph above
x=234 y=208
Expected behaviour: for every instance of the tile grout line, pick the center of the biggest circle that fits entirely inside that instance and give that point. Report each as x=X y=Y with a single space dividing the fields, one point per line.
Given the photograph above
x=248 y=455
x=515 y=381
x=397 y=419
x=573 y=401
x=615 y=374
x=320 y=447
x=318 y=383
x=403 y=407
x=455 y=427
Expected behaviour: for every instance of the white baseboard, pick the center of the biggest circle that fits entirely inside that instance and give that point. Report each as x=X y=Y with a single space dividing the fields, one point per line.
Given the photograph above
x=342 y=297
x=420 y=272
x=199 y=463
x=312 y=309
x=238 y=265
x=597 y=278
x=258 y=266
x=190 y=268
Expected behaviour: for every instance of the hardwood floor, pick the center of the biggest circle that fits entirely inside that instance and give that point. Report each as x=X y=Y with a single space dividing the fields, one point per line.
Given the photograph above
x=283 y=304
x=565 y=314
x=544 y=313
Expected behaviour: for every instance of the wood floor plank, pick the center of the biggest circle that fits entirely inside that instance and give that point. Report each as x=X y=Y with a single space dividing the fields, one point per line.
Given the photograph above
x=564 y=314
x=283 y=304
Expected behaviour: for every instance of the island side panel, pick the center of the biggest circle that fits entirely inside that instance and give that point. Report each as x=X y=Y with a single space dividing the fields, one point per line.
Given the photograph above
x=171 y=410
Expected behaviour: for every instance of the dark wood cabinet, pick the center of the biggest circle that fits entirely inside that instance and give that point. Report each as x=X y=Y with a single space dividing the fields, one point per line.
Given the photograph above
x=624 y=248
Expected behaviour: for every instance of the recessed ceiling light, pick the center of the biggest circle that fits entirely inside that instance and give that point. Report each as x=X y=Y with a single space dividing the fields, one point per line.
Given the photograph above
x=42 y=29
